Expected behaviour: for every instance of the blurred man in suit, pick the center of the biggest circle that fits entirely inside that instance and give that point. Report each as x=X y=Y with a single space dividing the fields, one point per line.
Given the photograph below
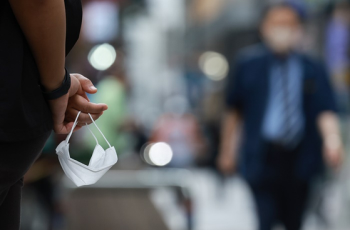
x=283 y=103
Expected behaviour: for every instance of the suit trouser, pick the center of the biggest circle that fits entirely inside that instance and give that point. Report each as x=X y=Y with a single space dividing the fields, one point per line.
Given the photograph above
x=15 y=160
x=281 y=196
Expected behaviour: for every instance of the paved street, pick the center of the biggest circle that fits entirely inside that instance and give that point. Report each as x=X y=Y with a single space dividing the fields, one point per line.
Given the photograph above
x=228 y=205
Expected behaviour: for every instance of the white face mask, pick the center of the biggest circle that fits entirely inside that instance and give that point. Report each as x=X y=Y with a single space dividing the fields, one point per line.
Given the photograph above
x=100 y=162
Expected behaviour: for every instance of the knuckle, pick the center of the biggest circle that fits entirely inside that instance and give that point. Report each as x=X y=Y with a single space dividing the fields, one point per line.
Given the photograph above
x=84 y=80
x=78 y=75
x=82 y=118
x=85 y=107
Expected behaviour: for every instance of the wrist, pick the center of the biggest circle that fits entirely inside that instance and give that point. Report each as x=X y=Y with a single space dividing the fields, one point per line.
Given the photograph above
x=52 y=84
x=59 y=91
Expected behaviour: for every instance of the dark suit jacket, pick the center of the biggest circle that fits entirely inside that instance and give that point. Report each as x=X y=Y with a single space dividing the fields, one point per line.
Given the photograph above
x=248 y=90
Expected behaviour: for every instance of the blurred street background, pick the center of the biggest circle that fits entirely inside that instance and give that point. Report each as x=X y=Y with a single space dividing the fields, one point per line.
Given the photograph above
x=161 y=66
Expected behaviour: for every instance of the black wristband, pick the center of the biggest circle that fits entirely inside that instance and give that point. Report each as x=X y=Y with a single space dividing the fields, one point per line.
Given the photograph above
x=59 y=92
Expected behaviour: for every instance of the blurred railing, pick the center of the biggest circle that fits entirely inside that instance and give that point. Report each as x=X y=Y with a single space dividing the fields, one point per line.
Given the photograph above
x=120 y=198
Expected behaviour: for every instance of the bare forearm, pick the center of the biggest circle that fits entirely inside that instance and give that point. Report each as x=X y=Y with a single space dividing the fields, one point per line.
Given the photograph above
x=44 y=24
x=328 y=125
x=333 y=150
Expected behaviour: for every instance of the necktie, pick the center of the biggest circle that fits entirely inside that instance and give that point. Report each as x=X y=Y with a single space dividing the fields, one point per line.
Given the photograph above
x=291 y=114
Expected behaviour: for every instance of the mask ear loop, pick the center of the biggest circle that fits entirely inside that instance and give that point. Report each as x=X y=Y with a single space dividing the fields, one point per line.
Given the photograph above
x=91 y=133
x=73 y=127
x=99 y=130
x=75 y=124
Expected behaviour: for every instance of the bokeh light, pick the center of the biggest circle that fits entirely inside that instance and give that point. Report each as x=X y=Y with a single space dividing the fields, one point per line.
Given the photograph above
x=214 y=65
x=158 y=154
x=101 y=57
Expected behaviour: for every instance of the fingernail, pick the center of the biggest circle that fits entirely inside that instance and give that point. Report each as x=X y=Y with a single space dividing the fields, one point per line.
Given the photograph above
x=105 y=107
x=92 y=87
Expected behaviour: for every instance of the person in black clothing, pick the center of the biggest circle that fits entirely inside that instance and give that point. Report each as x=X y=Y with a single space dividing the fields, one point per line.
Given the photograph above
x=37 y=94
x=287 y=107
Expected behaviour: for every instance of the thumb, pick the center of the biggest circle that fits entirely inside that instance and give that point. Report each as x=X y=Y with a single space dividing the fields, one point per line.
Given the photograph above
x=86 y=84
x=68 y=127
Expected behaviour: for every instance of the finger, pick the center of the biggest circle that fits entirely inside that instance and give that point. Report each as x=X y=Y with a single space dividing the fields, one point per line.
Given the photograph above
x=85 y=96
x=84 y=123
x=77 y=127
x=77 y=89
x=71 y=114
x=83 y=118
x=82 y=93
x=63 y=128
x=87 y=120
x=86 y=84
x=81 y=104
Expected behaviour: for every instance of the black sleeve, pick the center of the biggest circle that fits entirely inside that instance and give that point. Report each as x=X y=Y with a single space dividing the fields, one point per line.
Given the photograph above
x=325 y=93
x=234 y=88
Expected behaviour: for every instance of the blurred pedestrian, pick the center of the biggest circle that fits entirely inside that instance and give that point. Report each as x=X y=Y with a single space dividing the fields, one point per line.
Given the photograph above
x=37 y=94
x=182 y=133
x=337 y=52
x=283 y=102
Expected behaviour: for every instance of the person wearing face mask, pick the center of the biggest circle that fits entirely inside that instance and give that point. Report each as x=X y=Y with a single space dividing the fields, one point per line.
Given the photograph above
x=281 y=126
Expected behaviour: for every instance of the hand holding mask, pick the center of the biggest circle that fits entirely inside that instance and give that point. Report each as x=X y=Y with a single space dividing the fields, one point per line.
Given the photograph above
x=100 y=162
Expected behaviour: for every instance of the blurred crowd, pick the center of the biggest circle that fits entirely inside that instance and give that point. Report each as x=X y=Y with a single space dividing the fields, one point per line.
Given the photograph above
x=254 y=88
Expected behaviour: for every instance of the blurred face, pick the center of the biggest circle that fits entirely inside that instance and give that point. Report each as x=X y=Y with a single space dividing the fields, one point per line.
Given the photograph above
x=281 y=29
